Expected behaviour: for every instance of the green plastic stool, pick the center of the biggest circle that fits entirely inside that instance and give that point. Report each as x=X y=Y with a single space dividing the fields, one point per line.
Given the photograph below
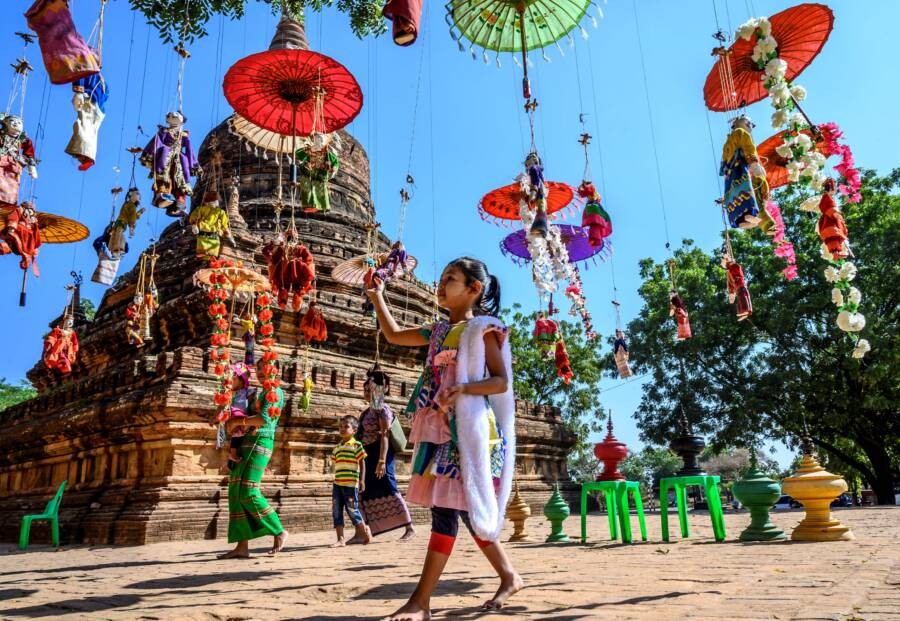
x=624 y=514
x=51 y=513
x=609 y=489
x=680 y=485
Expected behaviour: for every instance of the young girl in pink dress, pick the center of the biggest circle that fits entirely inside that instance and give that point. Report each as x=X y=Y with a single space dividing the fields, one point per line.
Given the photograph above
x=463 y=427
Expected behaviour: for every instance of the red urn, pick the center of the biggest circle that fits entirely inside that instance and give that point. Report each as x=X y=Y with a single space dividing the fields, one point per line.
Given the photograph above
x=610 y=452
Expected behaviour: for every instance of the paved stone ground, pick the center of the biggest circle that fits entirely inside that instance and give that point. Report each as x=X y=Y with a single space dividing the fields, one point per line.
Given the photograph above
x=694 y=579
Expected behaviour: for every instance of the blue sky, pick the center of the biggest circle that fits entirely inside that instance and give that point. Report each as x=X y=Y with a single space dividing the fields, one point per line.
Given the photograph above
x=469 y=135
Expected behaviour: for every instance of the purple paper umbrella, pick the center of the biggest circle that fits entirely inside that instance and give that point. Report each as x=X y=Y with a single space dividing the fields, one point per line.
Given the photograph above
x=515 y=245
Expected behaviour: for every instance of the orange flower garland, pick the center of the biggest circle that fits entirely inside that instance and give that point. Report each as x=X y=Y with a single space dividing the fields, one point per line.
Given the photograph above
x=219 y=341
x=270 y=380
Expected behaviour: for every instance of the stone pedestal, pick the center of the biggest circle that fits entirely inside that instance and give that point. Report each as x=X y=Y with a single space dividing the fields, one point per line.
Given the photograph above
x=517 y=512
x=758 y=493
x=688 y=446
x=556 y=510
x=610 y=452
x=815 y=488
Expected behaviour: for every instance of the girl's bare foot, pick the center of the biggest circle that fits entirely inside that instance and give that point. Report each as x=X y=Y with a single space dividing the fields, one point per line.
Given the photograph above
x=410 y=612
x=233 y=554
x=338 y=544
x=409 y=534
x=278 y=544
x=509 y=586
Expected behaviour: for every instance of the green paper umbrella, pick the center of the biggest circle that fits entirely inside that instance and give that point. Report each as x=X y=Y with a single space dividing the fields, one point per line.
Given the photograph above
x=498 y=24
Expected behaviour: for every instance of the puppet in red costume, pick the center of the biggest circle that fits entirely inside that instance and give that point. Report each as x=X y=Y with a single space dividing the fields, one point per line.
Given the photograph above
x=61 y=347
x=738 y=294
x=292 y=270
x=678 y=310
x=22 y=235
x=832 y=228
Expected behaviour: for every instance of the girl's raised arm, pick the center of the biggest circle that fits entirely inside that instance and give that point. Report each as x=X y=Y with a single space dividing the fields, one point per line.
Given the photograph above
x=393 y=333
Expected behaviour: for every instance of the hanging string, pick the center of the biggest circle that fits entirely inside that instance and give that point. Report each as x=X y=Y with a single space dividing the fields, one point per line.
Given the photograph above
x=431 y=158
x=184 y=54
x=40 y=133
x=20 y=77
x=662 y=198
x=97 y=33
x=216 y=80
x=125 y=101
x=78 y=218
x=596 y=120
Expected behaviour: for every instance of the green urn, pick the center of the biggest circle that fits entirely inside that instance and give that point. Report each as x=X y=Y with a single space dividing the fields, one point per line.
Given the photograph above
x=758 y=493
x=556 y=510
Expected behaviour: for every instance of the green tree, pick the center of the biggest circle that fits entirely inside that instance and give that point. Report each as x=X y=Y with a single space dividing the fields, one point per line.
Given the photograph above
x=88 y=308
x=787 y=368
x=535 y=379
x=648 y=467
x=177 y=19
x=11 y=394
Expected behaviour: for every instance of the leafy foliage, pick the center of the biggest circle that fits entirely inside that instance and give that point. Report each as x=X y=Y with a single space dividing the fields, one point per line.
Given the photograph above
x=11 y=394
x=535 y=379
x=88 y=308
x=187 y=19
x=649 y=466
x=788 y=367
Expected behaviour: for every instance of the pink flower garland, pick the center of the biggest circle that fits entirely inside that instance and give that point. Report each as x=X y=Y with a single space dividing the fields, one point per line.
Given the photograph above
x=783 y=248
x=847 y=168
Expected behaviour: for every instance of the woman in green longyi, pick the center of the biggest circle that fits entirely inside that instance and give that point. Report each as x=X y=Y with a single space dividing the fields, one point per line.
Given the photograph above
x=249 y=513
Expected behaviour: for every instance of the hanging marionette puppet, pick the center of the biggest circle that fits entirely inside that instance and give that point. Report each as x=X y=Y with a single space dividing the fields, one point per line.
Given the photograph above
x=405 y=15
x=209 y=222
x=312 y=326
x=248 y=325
x=61 y=345
x=292 y=269
x=563 y=367
x=89 y=102
x=620 y=352
x=67 y=56
x=16 y=153
x=22 y=236
x=546 y=333
x=537 y=197
x=746 y=188
x=170 y=158
x=594 y=219
x=677 y=308
x=319 y=164
x=832 y=228
x=738 y=294
x=111 y=245
x=144 y=302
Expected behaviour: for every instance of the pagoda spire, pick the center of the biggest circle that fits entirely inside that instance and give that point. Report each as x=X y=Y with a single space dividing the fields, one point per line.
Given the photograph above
x=290 y=34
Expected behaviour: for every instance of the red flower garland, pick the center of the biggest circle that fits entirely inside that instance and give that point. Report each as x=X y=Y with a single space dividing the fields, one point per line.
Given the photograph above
x=270 y=380
x=219 y=341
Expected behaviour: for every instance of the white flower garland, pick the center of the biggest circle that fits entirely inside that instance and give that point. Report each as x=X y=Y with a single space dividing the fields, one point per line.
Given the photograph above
x=804 y=163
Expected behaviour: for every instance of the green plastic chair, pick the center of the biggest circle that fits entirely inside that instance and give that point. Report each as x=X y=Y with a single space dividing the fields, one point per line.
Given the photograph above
x=51 y=513
x=680 y=485
x=609 y=489
x=616 y=495
x=624 y=514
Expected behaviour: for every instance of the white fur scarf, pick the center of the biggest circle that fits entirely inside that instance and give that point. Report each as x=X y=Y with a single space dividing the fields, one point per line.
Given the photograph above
x=487 y=508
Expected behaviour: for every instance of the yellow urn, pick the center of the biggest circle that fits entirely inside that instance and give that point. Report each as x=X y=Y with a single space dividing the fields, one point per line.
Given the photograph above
x=815 y=488
x=517 y=511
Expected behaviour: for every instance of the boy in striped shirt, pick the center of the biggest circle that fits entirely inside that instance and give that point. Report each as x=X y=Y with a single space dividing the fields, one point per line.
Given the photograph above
x=349 y=480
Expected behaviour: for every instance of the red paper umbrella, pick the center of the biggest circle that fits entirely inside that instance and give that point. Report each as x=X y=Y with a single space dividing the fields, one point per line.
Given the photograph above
x=503 y=203
x=280 y=90
x=775 y=165
x=800 y=31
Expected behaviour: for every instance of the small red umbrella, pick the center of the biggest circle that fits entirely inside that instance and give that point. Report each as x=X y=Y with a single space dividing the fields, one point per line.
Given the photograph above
x=775 y=165
x=503 y=203
x=801 y=32
x=293 y=92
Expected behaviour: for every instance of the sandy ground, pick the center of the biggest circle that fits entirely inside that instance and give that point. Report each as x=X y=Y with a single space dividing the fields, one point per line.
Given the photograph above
x=690 y=579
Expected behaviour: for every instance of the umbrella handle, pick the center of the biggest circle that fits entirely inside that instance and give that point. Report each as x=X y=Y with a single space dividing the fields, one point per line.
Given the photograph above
x=22 y=292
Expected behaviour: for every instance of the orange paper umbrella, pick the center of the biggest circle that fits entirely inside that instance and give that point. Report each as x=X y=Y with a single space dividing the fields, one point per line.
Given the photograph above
x=239 y=279
x=503 y=203
x=800 y=31
x=54 y=229
x=775 y=165
x=353 y=271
